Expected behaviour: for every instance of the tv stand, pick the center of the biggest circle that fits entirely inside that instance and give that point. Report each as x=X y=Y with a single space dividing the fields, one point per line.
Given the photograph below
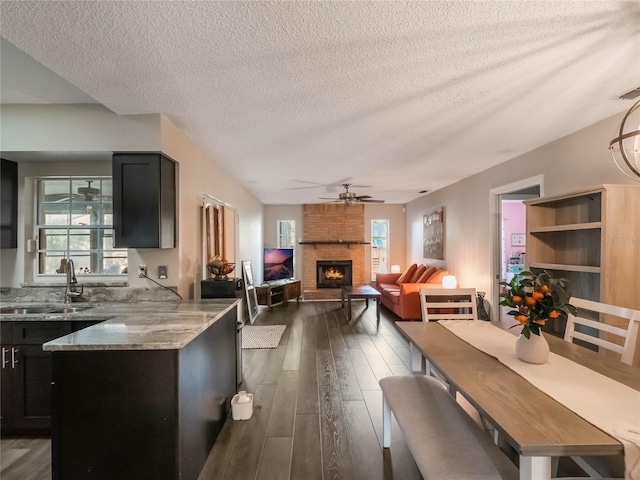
x=280 y=291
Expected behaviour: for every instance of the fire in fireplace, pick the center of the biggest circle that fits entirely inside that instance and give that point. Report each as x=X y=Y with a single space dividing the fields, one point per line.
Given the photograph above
x=333 y=273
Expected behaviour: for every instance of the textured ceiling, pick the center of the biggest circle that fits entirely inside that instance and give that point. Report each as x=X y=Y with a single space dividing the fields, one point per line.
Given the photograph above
x=289 y=96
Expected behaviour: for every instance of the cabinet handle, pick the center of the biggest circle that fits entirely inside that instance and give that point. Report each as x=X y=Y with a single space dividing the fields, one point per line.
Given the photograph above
x=4 y=357
x=14 y=361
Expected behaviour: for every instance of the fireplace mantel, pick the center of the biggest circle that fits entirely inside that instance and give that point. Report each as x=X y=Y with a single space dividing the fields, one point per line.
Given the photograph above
x=349 y=243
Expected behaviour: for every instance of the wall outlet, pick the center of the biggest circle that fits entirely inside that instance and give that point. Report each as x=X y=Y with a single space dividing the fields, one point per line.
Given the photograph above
x=162 y=272
x=142 y=271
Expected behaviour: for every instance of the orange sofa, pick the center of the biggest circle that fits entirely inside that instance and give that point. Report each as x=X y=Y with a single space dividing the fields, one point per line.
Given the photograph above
x=400 y=291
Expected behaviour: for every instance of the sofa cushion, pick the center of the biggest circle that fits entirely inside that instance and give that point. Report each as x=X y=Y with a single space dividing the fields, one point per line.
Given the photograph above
x=407 y=274
x=383 y=287
x=426 y=275
x=392 y=296
x=416 y=275
x=437 y=276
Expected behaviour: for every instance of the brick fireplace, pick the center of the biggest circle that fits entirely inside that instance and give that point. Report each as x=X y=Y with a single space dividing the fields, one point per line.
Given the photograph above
x=339 y=232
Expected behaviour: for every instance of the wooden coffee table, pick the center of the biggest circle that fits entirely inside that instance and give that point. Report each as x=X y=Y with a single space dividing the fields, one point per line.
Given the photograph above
x=363 y=291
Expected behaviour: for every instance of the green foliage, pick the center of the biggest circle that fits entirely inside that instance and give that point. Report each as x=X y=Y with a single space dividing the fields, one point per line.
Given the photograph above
x=536 y=298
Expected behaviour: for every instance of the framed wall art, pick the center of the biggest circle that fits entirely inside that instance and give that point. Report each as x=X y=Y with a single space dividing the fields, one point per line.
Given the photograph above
x=433 y=224
x=518 y=239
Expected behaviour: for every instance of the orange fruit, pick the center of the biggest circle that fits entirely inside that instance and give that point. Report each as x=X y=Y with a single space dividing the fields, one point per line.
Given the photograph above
x=517 y=299
x=540 y=322
x=543 y=289
x=537 y=295
x=521 y=318
x=531 y=301
x=554 y=314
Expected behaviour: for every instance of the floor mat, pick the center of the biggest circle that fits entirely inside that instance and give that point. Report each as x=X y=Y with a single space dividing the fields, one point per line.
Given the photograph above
x=262 y=336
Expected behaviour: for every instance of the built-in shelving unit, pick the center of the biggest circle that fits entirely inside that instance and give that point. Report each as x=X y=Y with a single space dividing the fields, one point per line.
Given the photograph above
x=591 y=237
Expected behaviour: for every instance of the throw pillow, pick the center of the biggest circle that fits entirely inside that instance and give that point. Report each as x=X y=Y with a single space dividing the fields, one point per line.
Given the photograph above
x=426 y=275
x=417 y=274
x=407 y=274
x=437 y=276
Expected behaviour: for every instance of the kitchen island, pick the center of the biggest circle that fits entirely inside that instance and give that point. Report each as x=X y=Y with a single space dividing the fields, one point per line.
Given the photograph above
x=144 y=394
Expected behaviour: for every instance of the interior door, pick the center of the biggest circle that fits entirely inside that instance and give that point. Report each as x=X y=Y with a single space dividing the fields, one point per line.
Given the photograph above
x=509 y=227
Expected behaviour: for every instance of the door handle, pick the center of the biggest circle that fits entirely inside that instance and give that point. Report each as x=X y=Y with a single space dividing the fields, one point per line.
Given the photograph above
x=4 y=357
x=14 y=361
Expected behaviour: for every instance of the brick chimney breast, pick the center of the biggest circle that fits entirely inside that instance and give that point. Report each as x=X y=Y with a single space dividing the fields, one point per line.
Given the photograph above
x=332 y=222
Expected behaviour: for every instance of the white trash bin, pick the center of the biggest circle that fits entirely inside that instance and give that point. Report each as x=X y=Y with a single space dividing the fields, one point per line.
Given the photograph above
x=242 y=406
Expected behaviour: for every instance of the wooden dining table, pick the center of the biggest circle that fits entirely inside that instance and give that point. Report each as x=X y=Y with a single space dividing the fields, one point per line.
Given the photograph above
x=533 y=423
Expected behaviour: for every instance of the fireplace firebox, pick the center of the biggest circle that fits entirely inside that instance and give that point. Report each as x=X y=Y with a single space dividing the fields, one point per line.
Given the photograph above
x=333 y=273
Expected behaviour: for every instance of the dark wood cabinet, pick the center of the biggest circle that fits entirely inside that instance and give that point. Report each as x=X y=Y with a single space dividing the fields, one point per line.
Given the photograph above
x=26 y=374
x=9 y=204
x=142 y=414
x=144 y=200
x=278 y=292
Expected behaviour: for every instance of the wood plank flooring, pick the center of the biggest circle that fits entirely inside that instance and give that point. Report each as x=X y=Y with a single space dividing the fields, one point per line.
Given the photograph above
x=317 y=404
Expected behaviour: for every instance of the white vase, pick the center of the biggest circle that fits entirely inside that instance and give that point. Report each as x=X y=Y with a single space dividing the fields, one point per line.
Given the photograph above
x=534 y=349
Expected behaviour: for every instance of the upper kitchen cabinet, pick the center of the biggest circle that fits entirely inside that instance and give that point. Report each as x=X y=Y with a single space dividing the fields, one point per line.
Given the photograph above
x=9 y=207
x=144 y=200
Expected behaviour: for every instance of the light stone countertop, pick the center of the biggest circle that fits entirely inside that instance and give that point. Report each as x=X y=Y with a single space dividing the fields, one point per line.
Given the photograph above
x=134 y=326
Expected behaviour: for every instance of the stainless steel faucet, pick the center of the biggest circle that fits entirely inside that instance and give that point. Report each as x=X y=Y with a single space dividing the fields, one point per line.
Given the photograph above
x=71 y=288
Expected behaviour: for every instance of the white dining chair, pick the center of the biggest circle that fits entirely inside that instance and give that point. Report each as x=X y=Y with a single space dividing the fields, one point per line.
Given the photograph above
x=448 y=304
x=601 y=334
x=588 y=326
x=452 y=304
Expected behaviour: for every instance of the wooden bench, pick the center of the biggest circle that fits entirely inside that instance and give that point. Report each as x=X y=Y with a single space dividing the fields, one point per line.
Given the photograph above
x=444 y=441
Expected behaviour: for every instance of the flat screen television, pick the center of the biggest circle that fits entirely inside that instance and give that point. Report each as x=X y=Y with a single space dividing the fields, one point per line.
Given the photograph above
x=278 y=264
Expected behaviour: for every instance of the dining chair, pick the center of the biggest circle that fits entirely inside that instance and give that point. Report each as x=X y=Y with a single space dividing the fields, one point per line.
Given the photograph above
x=596 y=332
x=588 y=327
x=452 y=304
x=448 y=304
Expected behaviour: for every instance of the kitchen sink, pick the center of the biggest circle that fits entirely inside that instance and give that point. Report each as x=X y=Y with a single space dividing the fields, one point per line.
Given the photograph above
x=70 y=309
x=25 y=310
x=28 y=310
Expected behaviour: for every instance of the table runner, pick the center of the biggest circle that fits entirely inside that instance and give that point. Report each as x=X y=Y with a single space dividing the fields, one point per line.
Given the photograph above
x=609 y=405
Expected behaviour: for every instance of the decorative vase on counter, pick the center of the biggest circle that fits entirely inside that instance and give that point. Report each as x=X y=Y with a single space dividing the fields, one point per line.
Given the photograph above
x=534 y=349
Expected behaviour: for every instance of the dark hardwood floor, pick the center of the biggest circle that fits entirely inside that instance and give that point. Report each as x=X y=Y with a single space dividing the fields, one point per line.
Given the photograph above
x=317 y=405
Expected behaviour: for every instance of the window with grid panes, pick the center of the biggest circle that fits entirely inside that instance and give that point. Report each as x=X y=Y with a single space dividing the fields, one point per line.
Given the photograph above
x=286 y=233
x=379 y=247
x=75 y=220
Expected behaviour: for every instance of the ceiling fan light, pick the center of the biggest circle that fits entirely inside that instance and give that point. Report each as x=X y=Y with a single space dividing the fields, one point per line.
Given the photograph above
x=625 y=148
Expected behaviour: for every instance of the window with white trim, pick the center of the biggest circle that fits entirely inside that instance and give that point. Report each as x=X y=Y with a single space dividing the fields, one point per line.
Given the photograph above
x=379 y=247
x=75 y=220
x=286 y=233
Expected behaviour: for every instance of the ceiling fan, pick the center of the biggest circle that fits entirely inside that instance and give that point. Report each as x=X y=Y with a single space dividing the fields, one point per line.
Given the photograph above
x=348 y=197
x=329 y=187
x=87 y=194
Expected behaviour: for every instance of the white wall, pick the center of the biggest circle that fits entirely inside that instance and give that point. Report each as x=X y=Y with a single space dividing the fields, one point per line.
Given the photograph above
x=273 y=213
x=198 y=175
x=93 y=128
x=576 y=161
